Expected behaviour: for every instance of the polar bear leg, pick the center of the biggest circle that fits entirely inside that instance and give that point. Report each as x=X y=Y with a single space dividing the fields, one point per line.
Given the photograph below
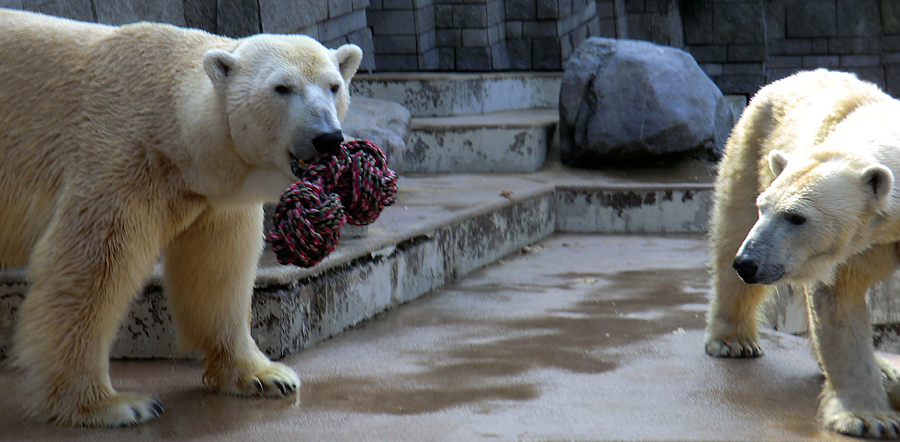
x=210 y=271
x=732 y=318
x=854 y=400
x=85 y=270
x=731 y=329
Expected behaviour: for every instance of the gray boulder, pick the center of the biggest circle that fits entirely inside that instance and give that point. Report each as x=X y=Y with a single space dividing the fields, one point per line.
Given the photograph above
x=634 y=102
x=382 y=122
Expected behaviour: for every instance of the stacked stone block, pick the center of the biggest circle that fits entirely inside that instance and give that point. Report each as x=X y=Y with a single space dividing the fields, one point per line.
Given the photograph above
x=452 y=35
x=836 y=34
x=333 y=22
x=609 y=15
x=542 y=34
x=727 y=40
x=483 y=35
x=656 y=21
x=741 y=44
x=403 y=32
x=470 y=35
x=745 y=44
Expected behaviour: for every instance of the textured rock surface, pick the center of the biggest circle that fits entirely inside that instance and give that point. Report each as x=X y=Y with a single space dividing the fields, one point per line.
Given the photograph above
x=382 y=122
x=636 y=102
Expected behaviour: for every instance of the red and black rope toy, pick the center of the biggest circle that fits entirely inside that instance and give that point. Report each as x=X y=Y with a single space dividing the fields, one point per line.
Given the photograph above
x=352 y=185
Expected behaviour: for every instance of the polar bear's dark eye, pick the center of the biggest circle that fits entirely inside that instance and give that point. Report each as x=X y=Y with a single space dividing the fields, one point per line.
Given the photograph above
x=795 y=219
x=282 y=89
x=335 y=88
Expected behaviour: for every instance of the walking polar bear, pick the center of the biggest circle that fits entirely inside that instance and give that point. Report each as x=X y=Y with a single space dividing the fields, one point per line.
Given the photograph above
x=122 y=144
x=807 y=195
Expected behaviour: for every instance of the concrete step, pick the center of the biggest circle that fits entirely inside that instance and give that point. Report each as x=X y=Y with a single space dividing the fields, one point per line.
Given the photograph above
x=508 y=141
x=441 y=228
x=453 y=94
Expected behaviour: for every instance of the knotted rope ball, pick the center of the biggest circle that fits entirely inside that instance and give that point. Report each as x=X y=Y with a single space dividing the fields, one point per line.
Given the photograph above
x=352 y=185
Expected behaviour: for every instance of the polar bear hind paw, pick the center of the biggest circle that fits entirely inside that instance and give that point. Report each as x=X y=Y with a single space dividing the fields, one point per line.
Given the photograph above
x=733 y=348
x=273 y=380
x=883 y=425
x=117 y=410
x=889 y=372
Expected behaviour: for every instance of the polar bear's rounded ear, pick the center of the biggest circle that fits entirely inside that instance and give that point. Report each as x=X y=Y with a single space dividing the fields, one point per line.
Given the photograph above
x=348 y=56
x=880 y=180
x=218 y=64
x=777 y=162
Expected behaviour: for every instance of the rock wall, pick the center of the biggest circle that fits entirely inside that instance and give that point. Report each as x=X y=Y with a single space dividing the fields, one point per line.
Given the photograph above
x=483 y=35
x=740 y=44
x=745 y=44
x=404 y=33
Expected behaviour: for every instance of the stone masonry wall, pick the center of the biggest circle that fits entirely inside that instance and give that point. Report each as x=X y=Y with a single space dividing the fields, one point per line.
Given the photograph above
x=740 y=44
x=471 y=36
x=404 y=34
x=483 y=35
x=657 y=21
x=333 y=22
x=745 y=44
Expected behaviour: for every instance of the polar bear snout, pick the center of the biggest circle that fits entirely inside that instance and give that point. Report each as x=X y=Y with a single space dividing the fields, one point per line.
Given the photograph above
x=752 y=271
x=328 y=142
x=756 y=262
x=746 y=268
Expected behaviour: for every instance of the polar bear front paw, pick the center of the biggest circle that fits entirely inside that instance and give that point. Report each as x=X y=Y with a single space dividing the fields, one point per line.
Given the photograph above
x=273 y=379
x=733 y=348
x=884 y=424
x=116 y=410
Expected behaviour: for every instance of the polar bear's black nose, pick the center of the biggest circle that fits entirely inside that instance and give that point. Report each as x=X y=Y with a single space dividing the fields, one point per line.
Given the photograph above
x=746 y=268
x=328 y=143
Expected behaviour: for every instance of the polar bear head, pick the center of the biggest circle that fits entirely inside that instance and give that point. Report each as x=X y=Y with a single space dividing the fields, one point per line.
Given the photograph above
x=284 y=98
x=819 y=210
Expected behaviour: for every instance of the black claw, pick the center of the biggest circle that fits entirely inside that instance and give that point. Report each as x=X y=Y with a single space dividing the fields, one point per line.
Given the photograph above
x=259 y=385
x=157 y=407
x=281 y=386
x=137 y=413
x=864 y=428
x=292 y=388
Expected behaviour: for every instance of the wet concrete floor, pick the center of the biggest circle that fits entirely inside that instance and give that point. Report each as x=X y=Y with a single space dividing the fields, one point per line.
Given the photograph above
x=580 y=337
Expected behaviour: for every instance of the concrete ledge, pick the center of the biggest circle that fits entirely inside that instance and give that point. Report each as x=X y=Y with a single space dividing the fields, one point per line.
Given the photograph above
x=661 y=209
x=441 y=228
x=443 y=94
x=511 y=141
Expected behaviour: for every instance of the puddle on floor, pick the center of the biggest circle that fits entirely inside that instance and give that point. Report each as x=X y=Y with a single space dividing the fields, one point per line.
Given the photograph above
x=384 y=396
x=583 y=337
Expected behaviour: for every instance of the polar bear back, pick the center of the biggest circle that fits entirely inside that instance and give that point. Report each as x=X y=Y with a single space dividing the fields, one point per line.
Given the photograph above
x=799 y=112
x=806 y=107
x=65 y=85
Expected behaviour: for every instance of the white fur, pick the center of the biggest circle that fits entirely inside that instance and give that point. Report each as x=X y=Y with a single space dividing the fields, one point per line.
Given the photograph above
x=817 y=153
x=119 y=145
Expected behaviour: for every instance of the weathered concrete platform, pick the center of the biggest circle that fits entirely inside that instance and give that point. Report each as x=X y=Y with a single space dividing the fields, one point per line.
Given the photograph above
x=444 y=94
x=507 y=141
x=465 y=123
x=442 y=227
x=577 y=337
